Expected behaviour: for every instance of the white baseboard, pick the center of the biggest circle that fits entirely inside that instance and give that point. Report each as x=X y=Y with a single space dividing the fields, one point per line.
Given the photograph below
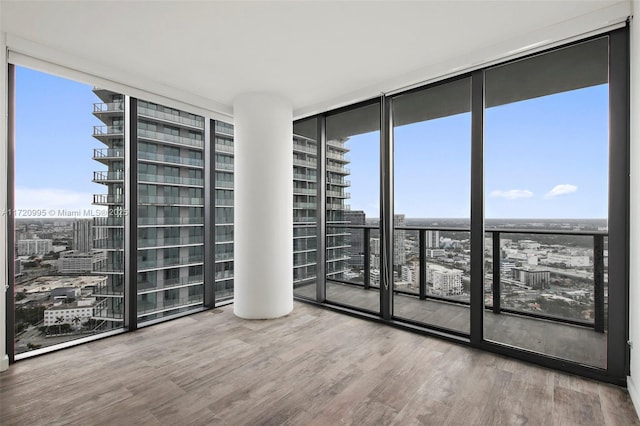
x=633 y=393
x=4 y=363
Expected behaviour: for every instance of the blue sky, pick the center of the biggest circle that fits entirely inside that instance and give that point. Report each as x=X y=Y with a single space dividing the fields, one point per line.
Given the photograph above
x=544 y=158
x=54 y=146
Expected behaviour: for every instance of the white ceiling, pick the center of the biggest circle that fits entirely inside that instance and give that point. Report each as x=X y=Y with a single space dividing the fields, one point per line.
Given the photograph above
x=319 y=55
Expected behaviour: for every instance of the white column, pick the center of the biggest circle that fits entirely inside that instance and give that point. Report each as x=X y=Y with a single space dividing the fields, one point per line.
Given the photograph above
x=263 y=235
x=4 y=358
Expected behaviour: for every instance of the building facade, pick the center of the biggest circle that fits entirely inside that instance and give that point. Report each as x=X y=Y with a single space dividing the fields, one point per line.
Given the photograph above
x=82 y=235
x=444 y=281
x=533 y=278
x=74 y=262
x=34 y=246
x=170 y=195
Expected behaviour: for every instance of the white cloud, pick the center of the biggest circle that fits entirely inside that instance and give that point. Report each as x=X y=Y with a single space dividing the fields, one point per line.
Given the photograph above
x=561 y=190
x=55 y=201
x=512 y=194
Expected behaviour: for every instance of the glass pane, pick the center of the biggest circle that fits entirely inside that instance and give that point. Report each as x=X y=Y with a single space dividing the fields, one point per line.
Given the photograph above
x=171 y=211
x=432 y=153
x=353 y=206
x=224 y=210
x=69 y=236
x=546 y=186
x=305 y=188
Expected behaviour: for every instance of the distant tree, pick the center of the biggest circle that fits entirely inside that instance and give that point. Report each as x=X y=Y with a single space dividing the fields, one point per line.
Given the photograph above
x=77 y=321
x=59 y=321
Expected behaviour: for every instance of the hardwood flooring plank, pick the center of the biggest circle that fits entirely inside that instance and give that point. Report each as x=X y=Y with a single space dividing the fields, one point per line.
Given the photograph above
x=313 y=367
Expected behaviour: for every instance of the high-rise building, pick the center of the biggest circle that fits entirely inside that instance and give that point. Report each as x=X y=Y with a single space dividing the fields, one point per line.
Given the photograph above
x=109 y=229
x=399 y=255
x=433 y=239
x=356 y=251
x=170 y=236
x=223 y=183
x=82 y=235
x=338 y=237
x=170 y=209
x=305 y=181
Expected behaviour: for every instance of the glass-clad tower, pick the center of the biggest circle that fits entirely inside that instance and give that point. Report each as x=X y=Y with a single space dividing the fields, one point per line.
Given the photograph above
x=170 y=192
x=305 y=181
x=223 y=182
x=170 y=146
x=338 y=239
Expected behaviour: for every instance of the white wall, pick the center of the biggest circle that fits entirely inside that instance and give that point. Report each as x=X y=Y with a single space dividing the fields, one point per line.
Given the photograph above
x=633 y=381
x=4 y=359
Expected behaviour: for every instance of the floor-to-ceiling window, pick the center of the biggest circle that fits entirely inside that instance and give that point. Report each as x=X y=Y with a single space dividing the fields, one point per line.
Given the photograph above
x=68 y=210
x=353 y=203
x=546 y=171
x=504 y=201
x=432 y=158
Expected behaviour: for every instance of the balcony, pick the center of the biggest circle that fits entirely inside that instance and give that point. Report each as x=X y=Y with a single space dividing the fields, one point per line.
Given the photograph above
x=172 y=261
x=170 y=159
x=107 y=199
x=108 y=177
x=170 y=201
x=223 y=184
x=169 y=221
x=338 y=181
x=153 y=287
x=224 y=166
x=170 y=180
x=338 y=169
x=147 y=308
x=170 y=241
x=108 y=222
x=110 y=108
x=105 y=155
x=224 y=128
x=227 y=149
x=102 y=132
x=309 y=177
x=577 y=334
x=298 y=147
x=169 y=138
x=305 y=163
x=338 y=145
x=106 y=289
x=171 y=117
x=108 y=243
x=304 y=191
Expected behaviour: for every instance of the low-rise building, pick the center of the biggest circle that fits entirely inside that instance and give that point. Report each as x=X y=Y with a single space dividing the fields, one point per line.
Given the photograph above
x=533 y=278
x=73 y=314
x=568 y=260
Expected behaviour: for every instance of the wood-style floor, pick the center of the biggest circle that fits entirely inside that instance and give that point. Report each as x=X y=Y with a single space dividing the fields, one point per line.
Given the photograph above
x=574 y=343
x=313 y=367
